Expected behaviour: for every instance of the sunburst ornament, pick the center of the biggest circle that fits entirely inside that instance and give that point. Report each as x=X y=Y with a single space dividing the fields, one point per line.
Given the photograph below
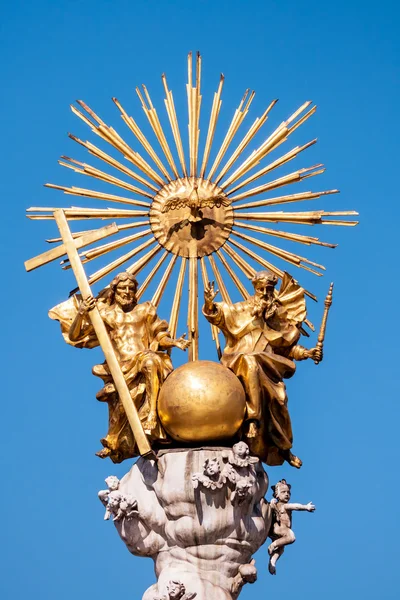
x=186 y=210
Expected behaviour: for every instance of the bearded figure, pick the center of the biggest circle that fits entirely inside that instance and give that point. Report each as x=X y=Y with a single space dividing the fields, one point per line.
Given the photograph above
x=262 y=335
x=140 y=339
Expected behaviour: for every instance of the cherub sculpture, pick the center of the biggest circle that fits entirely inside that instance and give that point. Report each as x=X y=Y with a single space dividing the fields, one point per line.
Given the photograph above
x=281 y=533
x=106 y=496
x=240 y=457
x=176 y=591
x=117 y=505
x=212 y=477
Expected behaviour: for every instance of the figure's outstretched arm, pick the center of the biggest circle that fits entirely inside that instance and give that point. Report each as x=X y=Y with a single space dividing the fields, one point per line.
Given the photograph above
x=166 y=342
x=79 y=329
x=295 y=506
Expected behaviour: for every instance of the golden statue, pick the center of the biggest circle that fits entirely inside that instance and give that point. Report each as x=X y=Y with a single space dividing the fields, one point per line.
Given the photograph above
x=262 y=335
x=176 y=221
x=140 y=339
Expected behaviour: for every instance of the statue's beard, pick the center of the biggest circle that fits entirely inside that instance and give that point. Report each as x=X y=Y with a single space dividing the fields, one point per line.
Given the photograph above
x=260 y=305
x=126 y=302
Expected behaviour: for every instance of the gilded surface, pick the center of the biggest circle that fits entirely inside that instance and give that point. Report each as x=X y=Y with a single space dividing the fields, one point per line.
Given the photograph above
x=191 y=217
x=202 y=401
x=140 y=339
x=262 y=335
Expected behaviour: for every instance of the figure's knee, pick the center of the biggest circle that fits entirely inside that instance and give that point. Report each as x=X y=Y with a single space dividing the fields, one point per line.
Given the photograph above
x=148 y=365
x=291 y=538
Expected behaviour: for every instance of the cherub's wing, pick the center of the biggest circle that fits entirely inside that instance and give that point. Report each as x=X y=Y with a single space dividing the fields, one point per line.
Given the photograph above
x=174 y=203
x=292 y=300
x=189 y=596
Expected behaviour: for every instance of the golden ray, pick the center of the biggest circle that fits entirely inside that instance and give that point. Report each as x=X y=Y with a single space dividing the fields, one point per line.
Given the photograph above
x=112 y=137
x=95 y=151
x=173 y=320
x=89 y=255
x=155 y=124
x=214 y=328
x=243 y=265
x=142 y=262
x=119 y=261
x=164 y=280
x=193 y=308
x=219 y=280
x=173 y=119
x=150 y=276
x=267 y=265
x=78 y=234
x=136 y=267
x=274 y=165
x=137 y=132
x=216 y=107
x=294 y=177
x=237 y=120
x=194 y=104
x=304 y=218
x=108 y=134
x=233 y=275
x=289 y=257
x=277 y=137
x=294 y=237
x=105 y=248
x=286 y=199
x=76 y=213
x=258 y=123
x=278 y=272
x=85 y=169
x=75 y=191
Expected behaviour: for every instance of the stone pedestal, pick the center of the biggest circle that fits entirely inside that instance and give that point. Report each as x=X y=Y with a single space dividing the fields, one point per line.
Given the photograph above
x=200 y=514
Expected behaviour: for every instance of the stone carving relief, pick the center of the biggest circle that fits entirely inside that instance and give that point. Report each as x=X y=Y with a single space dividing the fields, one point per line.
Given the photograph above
x=176 y=591
x=117 y=504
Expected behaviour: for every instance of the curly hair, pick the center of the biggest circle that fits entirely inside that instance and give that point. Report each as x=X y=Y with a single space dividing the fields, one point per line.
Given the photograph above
x=268 y=275
x=124 y=276
x=275 y=488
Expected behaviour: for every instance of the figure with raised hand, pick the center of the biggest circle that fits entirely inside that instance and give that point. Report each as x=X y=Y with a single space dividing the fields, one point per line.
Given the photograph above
x=281 y=532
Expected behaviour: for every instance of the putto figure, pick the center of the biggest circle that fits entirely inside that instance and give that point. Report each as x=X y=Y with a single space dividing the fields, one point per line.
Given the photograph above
x=140 y=339
x=176 y=591
x=281 y=532
x=212 y=477
x=240 y=456
x=105 y=496
x=262 y=335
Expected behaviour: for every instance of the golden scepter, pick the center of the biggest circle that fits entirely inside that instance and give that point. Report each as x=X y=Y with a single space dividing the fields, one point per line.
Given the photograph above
x=321 y=335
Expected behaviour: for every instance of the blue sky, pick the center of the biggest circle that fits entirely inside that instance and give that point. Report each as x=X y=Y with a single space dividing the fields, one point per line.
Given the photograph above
x=345 y=57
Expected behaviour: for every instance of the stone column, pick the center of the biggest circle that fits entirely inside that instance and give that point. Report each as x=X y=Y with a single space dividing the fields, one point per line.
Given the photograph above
x=200 y=514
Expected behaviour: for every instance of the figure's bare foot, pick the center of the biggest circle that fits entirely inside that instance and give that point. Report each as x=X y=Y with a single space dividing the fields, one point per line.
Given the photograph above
x=105 y=392
x=271 y=568
x=151 y=422
x=295 y=461
x=104 y=453
x=252 y=431
x=292 y=459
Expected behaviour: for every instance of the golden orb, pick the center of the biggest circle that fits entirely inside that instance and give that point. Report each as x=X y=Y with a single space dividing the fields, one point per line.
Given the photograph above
x=202 y=401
